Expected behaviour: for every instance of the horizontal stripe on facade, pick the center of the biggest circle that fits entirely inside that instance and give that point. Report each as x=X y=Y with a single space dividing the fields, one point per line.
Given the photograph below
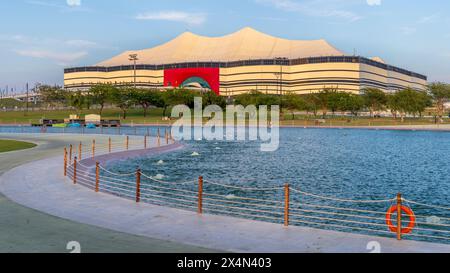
x=252 y=73
x=319 y=71
x=286 y=84
x=113 y=78
x=323 y=84
x=332 y=80
x=246 y=63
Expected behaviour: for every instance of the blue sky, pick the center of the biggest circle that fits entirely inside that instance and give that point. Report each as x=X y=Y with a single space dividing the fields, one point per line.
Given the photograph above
x=38 y=38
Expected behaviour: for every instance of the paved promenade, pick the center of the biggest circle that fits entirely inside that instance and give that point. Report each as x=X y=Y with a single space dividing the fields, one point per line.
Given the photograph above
x=27 y=230
x=37 y=185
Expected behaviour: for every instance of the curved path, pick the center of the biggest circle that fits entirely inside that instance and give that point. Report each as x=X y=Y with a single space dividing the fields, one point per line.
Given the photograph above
x=25 y=230
x=55 y=195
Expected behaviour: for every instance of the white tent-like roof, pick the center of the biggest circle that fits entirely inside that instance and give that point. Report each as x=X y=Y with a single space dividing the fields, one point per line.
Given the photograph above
x=246 y=44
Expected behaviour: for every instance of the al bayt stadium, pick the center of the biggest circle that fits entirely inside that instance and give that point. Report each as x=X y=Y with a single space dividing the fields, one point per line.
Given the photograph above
x=245 y=61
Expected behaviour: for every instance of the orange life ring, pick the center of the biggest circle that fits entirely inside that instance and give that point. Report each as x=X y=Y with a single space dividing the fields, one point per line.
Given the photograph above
x=408 y=211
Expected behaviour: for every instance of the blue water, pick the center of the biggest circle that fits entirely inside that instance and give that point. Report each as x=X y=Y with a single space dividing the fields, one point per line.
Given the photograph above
x=352 y=164
x=345 y=164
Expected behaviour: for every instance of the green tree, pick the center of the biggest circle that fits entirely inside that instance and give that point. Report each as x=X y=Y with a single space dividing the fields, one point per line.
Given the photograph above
x=247 y=99
x=424 y=100
x=312 y=103
x=409 y=101
x=179 y=96
x=52 y=95
x=375 y=100
x=123 y=97
x=335 y=100
x=352 y=103
x=269 y=100
x=440 y=93
x=393 y=104
x=147 y=98
x=293 y=102
x=99 y=94
x=211 y=98
x=77 y=100
x=325 y=101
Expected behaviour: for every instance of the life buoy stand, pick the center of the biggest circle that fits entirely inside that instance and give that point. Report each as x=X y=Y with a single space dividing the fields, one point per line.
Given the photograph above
x=408 y=211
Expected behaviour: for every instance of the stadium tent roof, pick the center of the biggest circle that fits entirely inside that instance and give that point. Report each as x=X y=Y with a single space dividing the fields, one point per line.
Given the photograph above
x=246 y=44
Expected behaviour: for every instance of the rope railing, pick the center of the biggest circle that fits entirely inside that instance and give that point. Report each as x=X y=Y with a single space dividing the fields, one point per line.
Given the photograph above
x=279 y=204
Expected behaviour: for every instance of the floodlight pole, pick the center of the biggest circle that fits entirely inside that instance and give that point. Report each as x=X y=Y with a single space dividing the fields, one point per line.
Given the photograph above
x=134 y=59
x=280 y=75
x=28 y=96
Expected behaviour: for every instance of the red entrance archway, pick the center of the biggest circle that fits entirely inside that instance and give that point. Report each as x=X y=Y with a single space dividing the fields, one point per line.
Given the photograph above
x=176 y=76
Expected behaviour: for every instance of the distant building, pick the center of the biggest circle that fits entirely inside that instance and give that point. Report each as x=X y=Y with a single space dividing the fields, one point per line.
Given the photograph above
x=244 y=61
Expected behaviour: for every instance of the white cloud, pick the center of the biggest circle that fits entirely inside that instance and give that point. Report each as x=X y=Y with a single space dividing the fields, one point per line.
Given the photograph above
x=43 y=3
x=69 y=6
x=408 y=30
x=374 y=2
x=174 y=16
x=315 y=8
x=428 y=19
x=81 y=43
x=62 y=52
x=418 y=25
x=61 y=58
x=74 y=3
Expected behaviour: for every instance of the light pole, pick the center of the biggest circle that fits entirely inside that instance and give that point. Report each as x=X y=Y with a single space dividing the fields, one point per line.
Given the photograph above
x=280 y=76
x=134 y=59
x=28 y=97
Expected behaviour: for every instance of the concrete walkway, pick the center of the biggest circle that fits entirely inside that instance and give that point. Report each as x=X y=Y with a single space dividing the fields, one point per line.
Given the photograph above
x=25 y=230
x=39 y=186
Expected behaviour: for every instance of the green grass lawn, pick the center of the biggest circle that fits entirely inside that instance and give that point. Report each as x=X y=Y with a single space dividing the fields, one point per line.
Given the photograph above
x=136 y=116
x=12 y=145
x=356 y=121
x=33 y=117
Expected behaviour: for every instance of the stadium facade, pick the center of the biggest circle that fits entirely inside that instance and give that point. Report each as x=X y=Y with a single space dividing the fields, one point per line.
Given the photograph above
x=245 y=61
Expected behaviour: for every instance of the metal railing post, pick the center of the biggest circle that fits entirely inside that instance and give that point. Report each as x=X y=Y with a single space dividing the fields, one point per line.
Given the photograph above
x=93 y=148
x=145 y=142
x=138 y=186
x=65 y=161
x=75 y=170
x=159 y=138
x=286 y=204
x=128 y=142
x=109 y=145
x=80 y=149
x=97 y=176
x=200 y=195
x=70 y=154
x=399 y=216
x=166 y=134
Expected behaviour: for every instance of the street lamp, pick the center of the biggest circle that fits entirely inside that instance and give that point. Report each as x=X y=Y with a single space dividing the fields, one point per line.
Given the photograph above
x=134 y=59
x=279 y=75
